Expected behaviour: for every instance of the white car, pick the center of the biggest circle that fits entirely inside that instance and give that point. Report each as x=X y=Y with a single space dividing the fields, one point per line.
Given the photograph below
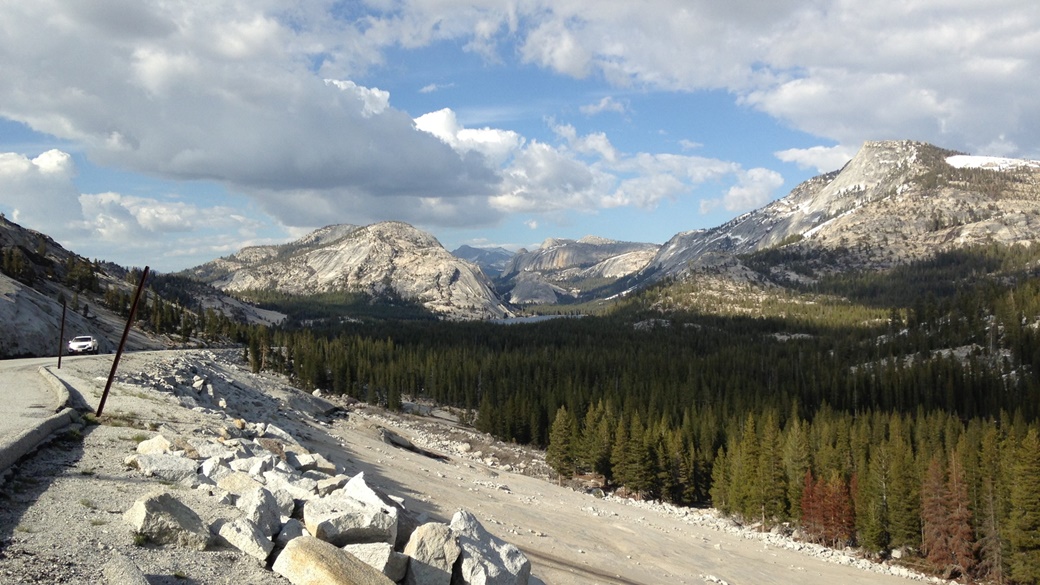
x=83 y=344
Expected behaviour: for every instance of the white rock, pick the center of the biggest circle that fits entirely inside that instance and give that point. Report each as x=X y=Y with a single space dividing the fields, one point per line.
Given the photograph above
x=238 y=483
x=309 y=561
x=433 y=549
x=299 y=487
x=381 y=556
x=343 y=520
x=165 y=466
x=154 y=446
x=486 y=559
x=292 y=528
x=214 y=468
x=260 y=507
x=247 y=537
x=163 y=519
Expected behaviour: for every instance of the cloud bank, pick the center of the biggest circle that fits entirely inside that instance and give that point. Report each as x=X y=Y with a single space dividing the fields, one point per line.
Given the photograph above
x=262 y=97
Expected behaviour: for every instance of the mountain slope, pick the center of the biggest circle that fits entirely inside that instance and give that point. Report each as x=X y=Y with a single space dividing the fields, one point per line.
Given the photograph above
x=562 y=268
x=894 y=202
x=388 y=258
x=37 y=275
x=491 y=260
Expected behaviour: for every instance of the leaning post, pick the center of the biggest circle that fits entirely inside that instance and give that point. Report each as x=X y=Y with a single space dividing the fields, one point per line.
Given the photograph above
x=122 y=342
x=61 y=336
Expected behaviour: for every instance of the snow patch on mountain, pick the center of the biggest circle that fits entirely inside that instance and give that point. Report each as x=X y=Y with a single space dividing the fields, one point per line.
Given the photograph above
x=995 y=163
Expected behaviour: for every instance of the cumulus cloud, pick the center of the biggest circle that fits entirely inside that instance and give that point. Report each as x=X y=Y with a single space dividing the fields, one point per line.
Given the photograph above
x=223 y=92
x=822 y=158
x=494 y=144
x=39 y=191
x=266 y=100
x=754 y=188
x=960 y=74
x=606 y=104
x=162 y=231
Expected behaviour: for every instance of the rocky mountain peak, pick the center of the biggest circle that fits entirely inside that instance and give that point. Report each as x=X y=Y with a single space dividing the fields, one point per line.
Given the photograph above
x=569 y=268
x=387 y=257
x=892 y=202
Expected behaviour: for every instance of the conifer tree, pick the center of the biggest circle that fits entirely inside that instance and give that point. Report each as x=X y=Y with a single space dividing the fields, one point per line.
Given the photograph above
x=744 y=471
x=796 y=463
x=935 y=521
x=1024 y=526
x=620 y=454
x=991 y=545
x=770 y=486
x=596 y=441
x=872 y=511
x=904 y=502
x=836 y=508
x=811 y=513
x=560 y=454
x=720 y=482
x=961 y=535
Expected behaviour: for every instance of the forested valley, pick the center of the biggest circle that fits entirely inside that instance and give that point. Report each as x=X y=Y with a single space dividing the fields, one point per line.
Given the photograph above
x=896 y=412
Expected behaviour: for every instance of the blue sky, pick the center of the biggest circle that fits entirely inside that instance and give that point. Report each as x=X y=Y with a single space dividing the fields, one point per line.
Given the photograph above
x=171 y=133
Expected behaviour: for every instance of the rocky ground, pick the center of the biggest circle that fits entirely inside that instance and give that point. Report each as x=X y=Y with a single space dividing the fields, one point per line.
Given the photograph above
x=61 y=509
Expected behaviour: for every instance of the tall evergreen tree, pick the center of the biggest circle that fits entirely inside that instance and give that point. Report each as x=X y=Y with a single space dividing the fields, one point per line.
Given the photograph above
x=796 y=463
x=961 y=534
x=1024 y=526
x=935 y=520
x=770 y=486
x=872 y=511
x=904 y=502
x=560 y=454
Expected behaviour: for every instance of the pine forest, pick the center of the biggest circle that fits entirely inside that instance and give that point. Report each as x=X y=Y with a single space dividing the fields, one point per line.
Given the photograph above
x=892 y=411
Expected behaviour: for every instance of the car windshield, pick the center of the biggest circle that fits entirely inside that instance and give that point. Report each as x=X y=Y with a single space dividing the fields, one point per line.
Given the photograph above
x=85 y=338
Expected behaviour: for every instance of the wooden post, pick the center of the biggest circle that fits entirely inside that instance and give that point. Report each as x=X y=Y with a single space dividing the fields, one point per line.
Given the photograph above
x=61 y=336
x=122 y=342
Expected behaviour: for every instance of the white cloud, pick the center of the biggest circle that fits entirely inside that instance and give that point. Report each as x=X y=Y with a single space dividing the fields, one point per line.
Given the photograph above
x=754 y=188
x=225 y=92
x=960 y=74
x=823 y=158
x=435 y=87
x=234 y=93
x=606 y=104
x=39 y=192
x=496 y=145
x=160 y=233
x=375 y=100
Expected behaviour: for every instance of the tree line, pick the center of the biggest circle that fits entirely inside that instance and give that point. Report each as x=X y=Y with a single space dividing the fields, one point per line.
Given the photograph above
x=913 y=429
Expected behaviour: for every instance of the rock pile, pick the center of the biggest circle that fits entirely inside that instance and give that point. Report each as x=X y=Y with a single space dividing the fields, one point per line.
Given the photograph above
x=299 y=515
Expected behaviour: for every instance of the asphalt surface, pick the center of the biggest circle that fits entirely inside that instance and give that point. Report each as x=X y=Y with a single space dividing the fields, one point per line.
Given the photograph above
x=33 y=406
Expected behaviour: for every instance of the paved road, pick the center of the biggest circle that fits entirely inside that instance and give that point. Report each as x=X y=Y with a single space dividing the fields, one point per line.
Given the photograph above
x=28 y=404
x=25 y=395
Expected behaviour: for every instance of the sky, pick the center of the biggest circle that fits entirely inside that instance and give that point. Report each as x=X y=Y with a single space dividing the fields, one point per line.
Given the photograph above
x=170 y=133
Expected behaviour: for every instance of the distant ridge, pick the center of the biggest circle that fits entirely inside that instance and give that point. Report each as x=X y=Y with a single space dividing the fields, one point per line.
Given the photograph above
x=387 y=257
x=894 y=202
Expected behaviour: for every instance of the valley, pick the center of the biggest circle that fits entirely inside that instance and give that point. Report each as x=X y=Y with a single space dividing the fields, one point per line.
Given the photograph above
x=854 y=366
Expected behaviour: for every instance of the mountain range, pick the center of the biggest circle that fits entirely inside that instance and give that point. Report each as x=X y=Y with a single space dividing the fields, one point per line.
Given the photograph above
x=894 y=202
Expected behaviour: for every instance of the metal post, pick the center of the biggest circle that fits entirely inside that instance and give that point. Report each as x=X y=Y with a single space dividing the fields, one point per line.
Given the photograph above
x=61 y=336
x=122 y=342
